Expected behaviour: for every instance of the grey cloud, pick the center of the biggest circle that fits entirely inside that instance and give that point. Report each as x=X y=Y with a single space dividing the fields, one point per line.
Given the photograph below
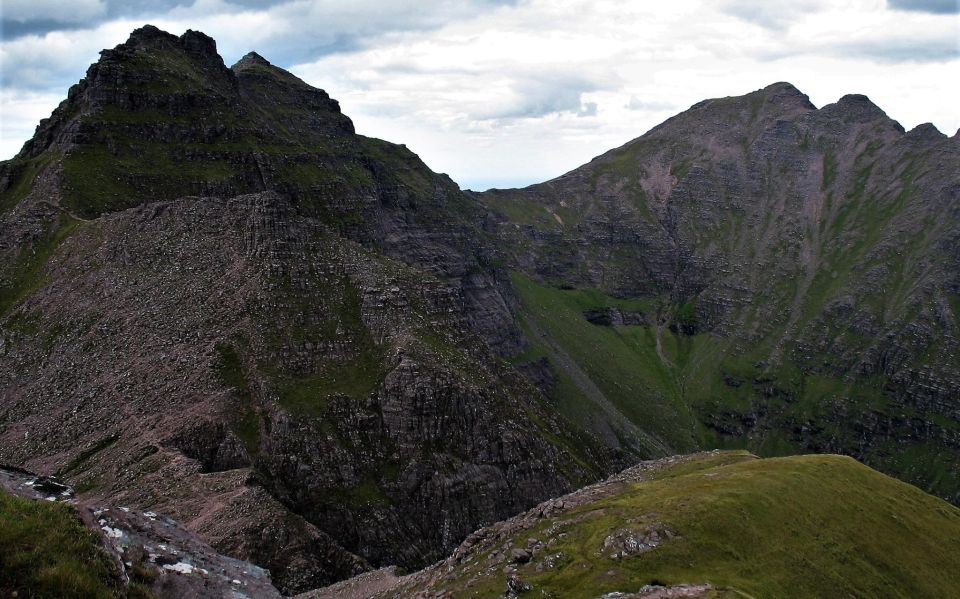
x=903 y=50
x=12 y=29
x=934 y=6
x=772 y=15
x=60 y=15
x=541 y=94
x=314 y=28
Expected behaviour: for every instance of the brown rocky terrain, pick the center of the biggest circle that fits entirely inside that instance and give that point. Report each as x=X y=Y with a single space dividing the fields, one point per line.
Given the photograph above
x=304 y=372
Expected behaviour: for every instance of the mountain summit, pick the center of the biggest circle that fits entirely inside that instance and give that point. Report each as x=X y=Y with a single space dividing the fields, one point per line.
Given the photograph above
x=217 y=301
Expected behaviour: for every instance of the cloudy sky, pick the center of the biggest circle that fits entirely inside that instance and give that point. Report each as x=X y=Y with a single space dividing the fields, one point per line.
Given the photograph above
x=507 y=93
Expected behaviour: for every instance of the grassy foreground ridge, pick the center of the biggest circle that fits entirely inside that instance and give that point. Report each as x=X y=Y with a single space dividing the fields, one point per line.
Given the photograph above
x=804 y=526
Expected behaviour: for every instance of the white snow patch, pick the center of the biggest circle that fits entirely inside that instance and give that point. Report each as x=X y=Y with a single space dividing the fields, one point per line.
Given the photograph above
x=184 y=568
x=113 y=533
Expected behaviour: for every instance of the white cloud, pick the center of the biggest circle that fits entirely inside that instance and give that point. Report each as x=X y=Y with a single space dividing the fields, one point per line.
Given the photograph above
x=496 y=98
x=33 y=62
x=503 y=93
x=20 y=115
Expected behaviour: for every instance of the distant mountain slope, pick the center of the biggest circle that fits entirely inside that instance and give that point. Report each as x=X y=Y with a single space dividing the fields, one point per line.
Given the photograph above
x=217 y=301
x=707 y=525
x=754 y=272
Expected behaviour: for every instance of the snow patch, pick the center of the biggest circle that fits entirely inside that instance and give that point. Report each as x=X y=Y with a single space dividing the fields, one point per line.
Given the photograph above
x=184 y=568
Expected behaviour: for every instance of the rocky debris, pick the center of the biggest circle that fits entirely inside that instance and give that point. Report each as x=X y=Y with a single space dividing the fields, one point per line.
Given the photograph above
x=655 y=591
x=517 y=586
x=335 y=478
x=153 y=550
x=160 y=554
x=24 y=483
x=625 y=542
x=614 y=317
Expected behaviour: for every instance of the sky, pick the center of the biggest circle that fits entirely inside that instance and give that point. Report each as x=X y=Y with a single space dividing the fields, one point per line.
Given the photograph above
x=506 y=93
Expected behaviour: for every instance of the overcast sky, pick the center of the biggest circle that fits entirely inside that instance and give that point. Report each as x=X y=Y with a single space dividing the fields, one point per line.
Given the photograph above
x=508 y=93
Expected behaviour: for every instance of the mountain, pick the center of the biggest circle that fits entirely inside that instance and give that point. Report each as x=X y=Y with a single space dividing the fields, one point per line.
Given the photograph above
x=754 y=272
x=705 y=525
x=220 y=303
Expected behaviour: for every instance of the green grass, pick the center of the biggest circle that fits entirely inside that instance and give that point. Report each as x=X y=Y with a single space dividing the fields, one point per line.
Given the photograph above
x=335 y=316
x=25 y=274
x=356 y=378
x=621 y=361
x=706 y=384
x=802 y=526
x=98 y=180
x=231 y=370
x=24 y=173
x=829 y=169
x=521 y=211
x=81 y=461
x=46 y=552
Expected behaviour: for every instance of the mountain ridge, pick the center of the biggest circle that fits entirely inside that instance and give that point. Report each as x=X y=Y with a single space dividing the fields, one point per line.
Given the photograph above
x=218 y=300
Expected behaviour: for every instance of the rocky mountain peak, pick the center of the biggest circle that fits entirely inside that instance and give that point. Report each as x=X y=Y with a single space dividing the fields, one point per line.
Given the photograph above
x=199 y=43
x=149 y=35
x=787 y=95
x=251 y=59
x=926 y=132
x=858 y=108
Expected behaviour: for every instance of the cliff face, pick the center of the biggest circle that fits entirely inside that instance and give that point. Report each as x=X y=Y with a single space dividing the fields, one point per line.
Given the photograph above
x=221 y=303
x=794 y=273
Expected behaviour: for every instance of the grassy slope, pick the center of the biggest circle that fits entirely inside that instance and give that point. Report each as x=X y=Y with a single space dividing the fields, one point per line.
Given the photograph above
x=621 y=361
x=803 y=526
x=708 y=376
x=45 y=551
